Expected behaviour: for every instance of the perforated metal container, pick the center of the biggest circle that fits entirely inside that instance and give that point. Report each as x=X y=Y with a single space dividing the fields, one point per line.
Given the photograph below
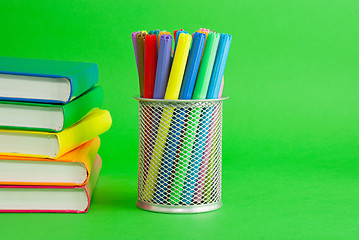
x=180 y=157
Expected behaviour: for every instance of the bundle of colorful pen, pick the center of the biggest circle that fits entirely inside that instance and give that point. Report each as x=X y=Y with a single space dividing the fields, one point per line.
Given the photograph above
x=194 y=69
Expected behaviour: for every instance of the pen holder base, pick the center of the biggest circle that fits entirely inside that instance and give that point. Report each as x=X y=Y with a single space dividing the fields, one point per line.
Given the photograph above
x=180 y=157
x=175 y=209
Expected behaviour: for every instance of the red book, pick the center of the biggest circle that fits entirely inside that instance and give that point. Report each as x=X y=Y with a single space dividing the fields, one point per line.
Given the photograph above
x=150 y=65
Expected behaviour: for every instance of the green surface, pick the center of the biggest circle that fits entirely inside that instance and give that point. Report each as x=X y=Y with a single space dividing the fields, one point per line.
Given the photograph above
x=291 y=125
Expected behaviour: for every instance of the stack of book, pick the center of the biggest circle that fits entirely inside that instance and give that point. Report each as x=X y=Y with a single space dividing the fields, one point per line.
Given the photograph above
x=50 y=120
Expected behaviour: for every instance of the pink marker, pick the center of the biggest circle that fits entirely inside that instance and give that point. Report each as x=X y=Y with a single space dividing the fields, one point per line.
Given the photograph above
x=221 y=89
x=209 y=147
x=133 y=36
x=204 y=30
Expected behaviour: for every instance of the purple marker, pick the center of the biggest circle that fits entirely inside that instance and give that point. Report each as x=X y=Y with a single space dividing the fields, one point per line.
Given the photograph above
x=133 y=36
x=163 y=66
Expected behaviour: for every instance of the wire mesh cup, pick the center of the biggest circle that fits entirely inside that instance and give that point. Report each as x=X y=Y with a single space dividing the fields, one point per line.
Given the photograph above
x=180 y=157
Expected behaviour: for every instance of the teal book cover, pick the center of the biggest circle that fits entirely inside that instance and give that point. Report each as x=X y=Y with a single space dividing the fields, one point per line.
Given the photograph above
x=81 y=76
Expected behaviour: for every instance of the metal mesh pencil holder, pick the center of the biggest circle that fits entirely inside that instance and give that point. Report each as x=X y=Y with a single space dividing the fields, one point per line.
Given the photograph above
x=180 y=157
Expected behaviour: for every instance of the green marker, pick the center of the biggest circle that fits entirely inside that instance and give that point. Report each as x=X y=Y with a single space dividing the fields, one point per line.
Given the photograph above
x=184 y=156
x=205 y=70
x=200 y=92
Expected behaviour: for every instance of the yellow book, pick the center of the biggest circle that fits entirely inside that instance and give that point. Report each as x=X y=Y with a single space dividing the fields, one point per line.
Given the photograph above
x=54 y=145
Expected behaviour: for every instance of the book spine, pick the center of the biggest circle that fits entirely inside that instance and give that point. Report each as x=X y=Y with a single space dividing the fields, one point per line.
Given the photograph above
x=79 y=108
x=89 y=159
x=82 y=78
x=95 y=172
x=93 y=125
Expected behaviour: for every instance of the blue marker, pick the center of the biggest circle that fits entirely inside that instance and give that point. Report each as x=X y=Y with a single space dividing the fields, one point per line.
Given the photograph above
x=194 y=60
x=196 y=157
x=219 y=66
x=206 y=118
x=169 y=159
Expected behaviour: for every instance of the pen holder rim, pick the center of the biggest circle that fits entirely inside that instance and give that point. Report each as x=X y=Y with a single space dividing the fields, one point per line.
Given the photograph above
x=180 y=100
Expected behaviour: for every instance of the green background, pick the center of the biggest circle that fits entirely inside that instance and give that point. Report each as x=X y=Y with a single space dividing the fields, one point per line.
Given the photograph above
x=290 y=130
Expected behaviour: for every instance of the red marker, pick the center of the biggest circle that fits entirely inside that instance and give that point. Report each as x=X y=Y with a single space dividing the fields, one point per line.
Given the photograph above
x=174 y=34
x=150 y=65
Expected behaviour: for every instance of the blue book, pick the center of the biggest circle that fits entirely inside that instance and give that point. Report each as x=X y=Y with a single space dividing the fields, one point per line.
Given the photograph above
x=194 y=59
x=45 y=81
x=219 y=66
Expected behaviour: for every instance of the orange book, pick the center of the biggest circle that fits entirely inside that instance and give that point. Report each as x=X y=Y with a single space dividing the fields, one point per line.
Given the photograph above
x=71 y=169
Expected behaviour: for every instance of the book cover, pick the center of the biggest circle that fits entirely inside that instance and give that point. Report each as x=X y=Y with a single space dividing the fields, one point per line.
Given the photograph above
x=89 y=189
x=82 y=76
x=84 y=154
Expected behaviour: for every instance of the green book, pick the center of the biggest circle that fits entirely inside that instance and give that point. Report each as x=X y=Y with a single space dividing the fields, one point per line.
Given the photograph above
x=47 y=117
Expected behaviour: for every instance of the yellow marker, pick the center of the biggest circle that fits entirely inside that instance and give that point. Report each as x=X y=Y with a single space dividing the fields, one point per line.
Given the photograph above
x=172 y=92
x=178 y=66
x=157 y=155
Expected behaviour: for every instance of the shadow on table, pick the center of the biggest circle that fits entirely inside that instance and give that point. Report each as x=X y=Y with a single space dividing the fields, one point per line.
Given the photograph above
x=112 y=192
